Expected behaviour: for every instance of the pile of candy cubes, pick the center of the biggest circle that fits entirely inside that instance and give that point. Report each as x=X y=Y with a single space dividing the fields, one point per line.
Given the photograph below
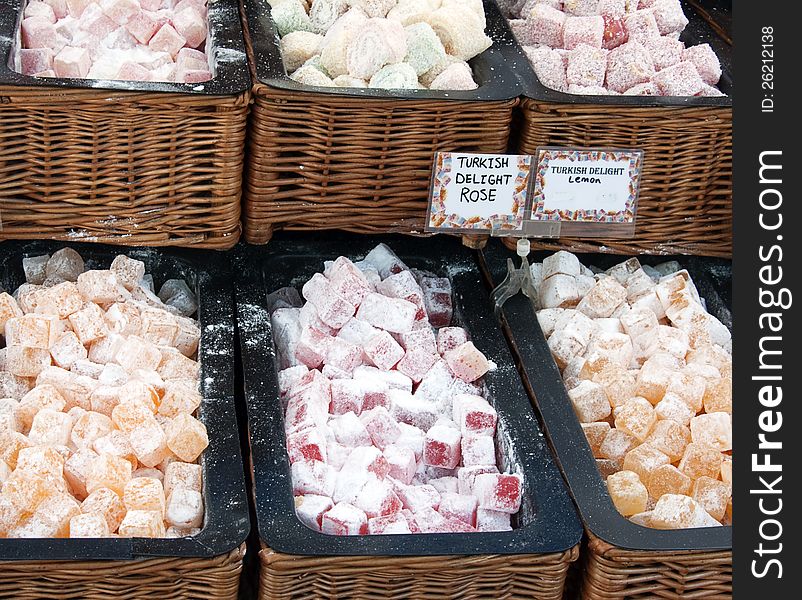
x=387 y=429
x=391 y=44
x=98 y=387
x=649 y=373
x=608 y=47
x=129 y=40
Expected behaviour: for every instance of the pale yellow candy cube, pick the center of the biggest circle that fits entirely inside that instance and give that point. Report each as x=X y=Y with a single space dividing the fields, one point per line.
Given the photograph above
x=718 y=396
x=639 y=322
x=619 y=384
x=129 y=271
x=50 y=427
x=149 y=444
x=565 y=347
x=672 y=341
x=713 y=495
x=123 y=318
x=602 y=300
x=132 y=415
x=106 y=503
x=188 y=337
x=635 y=417
x=42 y=461
x=152 y=378
x=25 y=361
x=142 y=523
x=89 y=427
x=590 y=402
x=670 y=438
x=643 y=519
x=653 y=381
x=711 y=355
x=690 y=388
x=77 y=469
x=11 y=442
x=650 y=301
x=700 y=460
x=104 y=350
x=608 y=349
x=638 y=284
x=10 y=516
x=27 y=296
x=104 y=398
x=623 y=270
x=547 y=319
x=27 y=490
x=187 y=437
x=152 y=472
x=561 y=262
x=110 y=472
x=41 y=397
x=185 y=508
x=67 y=350
x=91 y=525
x=643 y=460
x=116 y=444
x=32 y=331
x=673 y=408
x=135 y=390
x=9 y=309
x=616 y=444
x=144 y=493
x=138 y=354
x=627 y=492
x=713 y=430
x=60 y=301
x=674 y=511
x=179 y=398
x=726 y=469
x=52 y=516
x=667 y=479
x=607 y=467
x=101 y=287
x=175 y=365
x=89 y=323
x=75 y=389
x=595 y=434
x=159 y=327
x=182 y=475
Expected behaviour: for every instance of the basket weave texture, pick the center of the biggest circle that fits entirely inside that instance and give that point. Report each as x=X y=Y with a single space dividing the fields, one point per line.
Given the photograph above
x=121 y=167
x=685 y=204
x=215 y=578
x=320 y=161
x=616 y=573
x=540 y=576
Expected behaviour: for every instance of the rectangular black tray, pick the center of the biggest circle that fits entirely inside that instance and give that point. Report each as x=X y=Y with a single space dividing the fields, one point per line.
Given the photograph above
x=494 y=69
x=226 y=522
x=698 y=31
x=547 y=521
x=225 y=47
x=562 y=427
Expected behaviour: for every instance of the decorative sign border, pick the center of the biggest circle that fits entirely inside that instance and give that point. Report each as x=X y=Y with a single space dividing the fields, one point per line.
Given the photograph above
x=438 y=220
x=546 y=153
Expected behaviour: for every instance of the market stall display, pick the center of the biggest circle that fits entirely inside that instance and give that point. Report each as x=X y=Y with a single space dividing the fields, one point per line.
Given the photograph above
x=685 y=202
x=530 y=551
x=89 y=157
x=359 y=158
x=108 y=390
x=684 y=549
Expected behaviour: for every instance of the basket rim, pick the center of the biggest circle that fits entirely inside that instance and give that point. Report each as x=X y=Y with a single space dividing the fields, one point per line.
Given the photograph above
x=497 y=64
x=226 y=522
x=232 y=75
x=555 y=526
x=548 y=392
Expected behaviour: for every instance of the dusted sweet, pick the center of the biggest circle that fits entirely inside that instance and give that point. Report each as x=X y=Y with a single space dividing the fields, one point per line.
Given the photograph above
x=627 y=492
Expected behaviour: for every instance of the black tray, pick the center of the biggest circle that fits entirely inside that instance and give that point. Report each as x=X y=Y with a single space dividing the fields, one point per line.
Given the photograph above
x=493 y=69
x=718 y=13
x=547 y=519
x=225 y=47
x=226 y=523
x=697 y=32
x=567 y=438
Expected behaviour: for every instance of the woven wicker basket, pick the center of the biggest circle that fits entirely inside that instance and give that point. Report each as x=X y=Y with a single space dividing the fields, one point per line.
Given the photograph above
x=540 y=576
x=611 y=572
x=357 y=160
x=121 y=167
x=215 y=578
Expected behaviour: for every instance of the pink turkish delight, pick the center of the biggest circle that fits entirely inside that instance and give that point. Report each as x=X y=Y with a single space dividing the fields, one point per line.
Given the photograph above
x=498 y=492
x=310 y=509
x=391 y=314
x=437 y=298
x=546 y=25
x=441 y=448
x=705 y=61
x=383 y=351
x=467 y=362
x=344 y=519
x=583 y=30
x=681 y=79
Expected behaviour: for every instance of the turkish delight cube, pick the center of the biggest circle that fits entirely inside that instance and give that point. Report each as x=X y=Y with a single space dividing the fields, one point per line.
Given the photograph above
x=412 y=438
x=673 y=408
x=391 y=314
x=635 y=417
x=615 y=31
x=713 y=495
x=168 y=40
x=681 y=79
x=603 y=299
x=587 y=30
x=186 y=437
x=91 y=525
x=441 y=447
x=628 y=65
x=673 y=511
x=466 y=477
x=474 y=415
x=142 y=523
x=390 y=524
x=437 y=299
x=590 y=402
x=581 y=7
x=378 y=499
x=498 y=491
x=349 y=281
x=418 y=497
x=149 y=444
x=403 y=285
x=668 y=479
x=458 y=506
x=306 y=445
x=467 y=362
x=108 y=504
x=89 y=323
x=144 y=493
x=559 y=291
x=24 y=361
x=381 y=426
x=478 y=450
x=184 y=508
x=546 y=25
x=586 y=67
x=417 y=362
x=310 y=509
x=449 y=338
x=671 y=438
x=347 y=395
x=182 y=475
x=110 y=472
x=643 y=460
x=350 y=431
x=332 y=307
x=67 y=350
x=713 y=430
x=342 y=355
x=669 y=16
x=385 y=261
x=402 y=463
x=705 y=61
x=492 y=520
x=344 y=519
x=383 y=351
x=627 y=492
x=414 y=410
x=313 y=477
x=312 y=347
